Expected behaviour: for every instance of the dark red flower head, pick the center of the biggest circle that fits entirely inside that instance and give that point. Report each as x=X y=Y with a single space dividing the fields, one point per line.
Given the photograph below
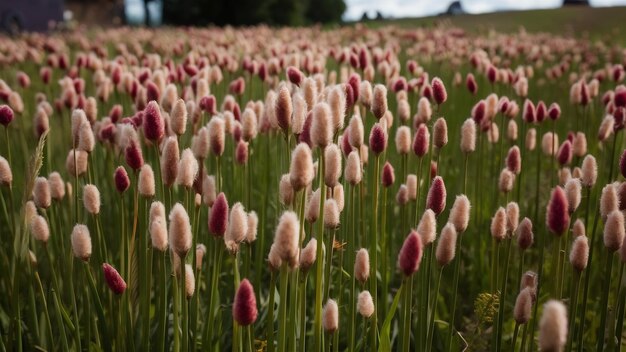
x=153 y=125
x=492 y=74
x=439 y=91
x=436 y=200
x=478 y=112
x=122 y=182
x=541 y=111
x=378 y=139
x=355 y=82
x=6 y=115
x=244 y=307
x=218 y=217
x=389 y=175
x=565 y=153
x=619 y=97
x=113 y=279
x=470 y=82
x=421 y=141
x=152 y=92
x=554 y=111
x=133 y=156
x=410 y=254
x=294 y=75
x=558 y=213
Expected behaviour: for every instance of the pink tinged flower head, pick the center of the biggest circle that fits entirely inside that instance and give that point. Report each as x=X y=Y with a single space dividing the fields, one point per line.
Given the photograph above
x=421 y=141
x=81 y=242
x=6 y=115
x=321 y=130
x=122 y=181
x=614 y=231
x=388 y=177
x=439 y=91
x=180 y=230
x=218 y=216
x=460 y=213
x=529 y=112
x=308 y=255
x=468 y=136
x=524 y=233
x=446 y=247
x=378 y=139
x=244 y=306
x=379 y=101
x=589 y=171
x=153 y=124
x=286 y=238
x=113 y=279
x=330 y=316
x=553 y=327
x=283 y=109
x=440 y=133
x=523 y=306
x=558 y=214
x=365 y=304
x=579 y=254
x=565 y=153
x=410 y=254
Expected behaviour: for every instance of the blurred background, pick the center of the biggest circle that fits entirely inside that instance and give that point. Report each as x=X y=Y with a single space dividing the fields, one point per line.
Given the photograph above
x=39 y=15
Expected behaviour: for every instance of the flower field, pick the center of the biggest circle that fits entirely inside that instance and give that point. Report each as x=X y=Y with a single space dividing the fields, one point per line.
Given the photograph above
x=312 y=189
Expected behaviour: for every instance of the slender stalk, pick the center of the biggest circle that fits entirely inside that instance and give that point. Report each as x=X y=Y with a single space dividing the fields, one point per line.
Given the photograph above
x=431 y=324
x=455 y=289
x=374 y=254
x=319 y=279
x=515 y=333
x=573 y=308
x=505 y=279
x=282 y=309
x=605 y=301
x=269 y=325
x=162 y=306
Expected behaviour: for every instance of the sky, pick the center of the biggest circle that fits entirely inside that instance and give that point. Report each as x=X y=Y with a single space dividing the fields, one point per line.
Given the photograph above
x=420 y=8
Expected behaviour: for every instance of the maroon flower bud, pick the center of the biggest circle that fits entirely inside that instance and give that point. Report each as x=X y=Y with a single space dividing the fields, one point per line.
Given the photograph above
x=554 y=111
x=439 y=91
x=479 y=111
x=427 y=91
x=558 y=214
x=355 y=82
x=113 y=279
x=529 y=113
x=244 y=306
x=565 y=153
x=116 y=113
x=363 y=58
x=241 y=153
x=618 y=116
x=433 y=169
x=492 y=74
x=514 y=160
x=421 y=141
x=410 y=254
x=436 y=200
x=349 y=93
x=399 y=85
x=378 y=139
x=152 y=92
x=237 y=86
x=153 y=127
x=133 y=156
x=45 y=73
x=122 y=182
x=388 y=176
x=294 y=75
x=305 y=136
x=471 y=84
x=6 y=115
x=218 y=216
x=541 y=111
x=619 y=97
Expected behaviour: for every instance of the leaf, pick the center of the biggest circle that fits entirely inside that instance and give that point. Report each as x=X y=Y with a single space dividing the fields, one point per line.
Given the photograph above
x=385 y=338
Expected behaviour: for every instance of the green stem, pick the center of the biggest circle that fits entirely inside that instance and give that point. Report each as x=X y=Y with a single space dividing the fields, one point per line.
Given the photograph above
x=573 y=307
x=374 y=254
x=505 y=279
x=282 y=309
x=319 y=279
x=605 y=301
x=455 y=289
x=431 y=324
